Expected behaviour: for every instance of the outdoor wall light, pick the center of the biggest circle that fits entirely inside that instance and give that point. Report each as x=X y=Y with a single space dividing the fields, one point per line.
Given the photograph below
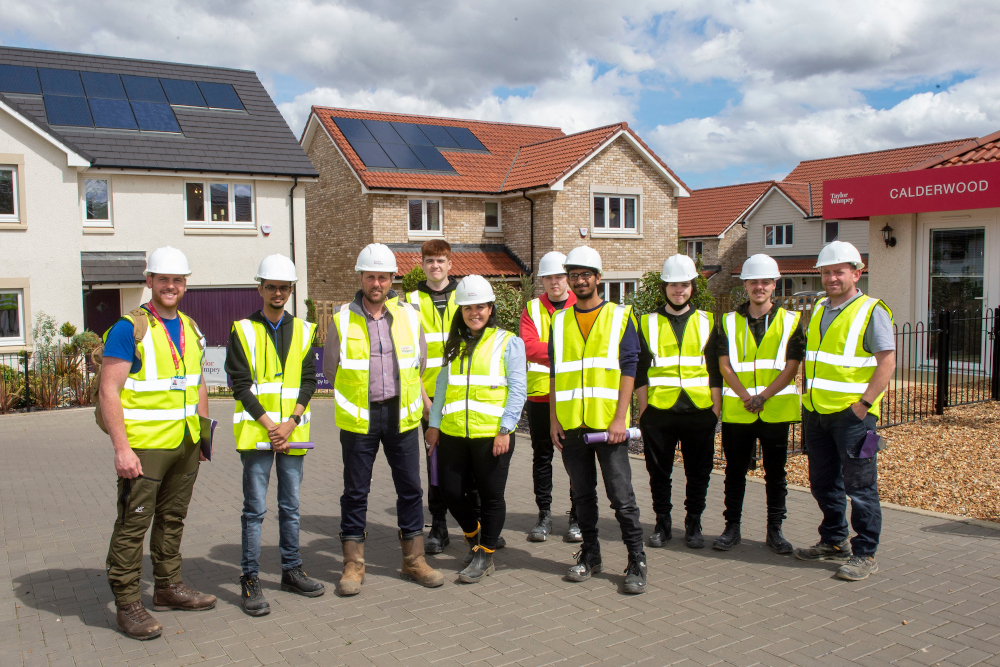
x=890 y=240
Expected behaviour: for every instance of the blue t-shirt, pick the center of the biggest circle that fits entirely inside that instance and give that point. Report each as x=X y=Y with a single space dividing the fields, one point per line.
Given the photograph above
x=121 y=341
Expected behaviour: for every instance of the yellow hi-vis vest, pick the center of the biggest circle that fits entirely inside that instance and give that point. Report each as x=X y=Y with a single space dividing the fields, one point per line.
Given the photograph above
x=838 y=369
x=758 y=367
x=587 y=373
x=155 y=414
x=350 y=388
x=436 y=328
x=276 y=387
x=477 y=389
x=678 y=367
x=538 y=374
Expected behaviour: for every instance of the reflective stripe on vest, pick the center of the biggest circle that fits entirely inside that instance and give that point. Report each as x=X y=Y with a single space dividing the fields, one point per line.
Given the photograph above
x=477 y=389
x=838 y=368
x=757 y=367
x=436 y=328
x=275 y=385
x=538 y=374
x=678 y=367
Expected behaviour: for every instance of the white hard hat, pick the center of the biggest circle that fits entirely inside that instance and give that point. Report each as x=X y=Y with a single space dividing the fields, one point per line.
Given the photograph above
x=472 y=290
x=376 y=257
x=170 y=261
x=678 y=269
x=760 y=266
x=276 y=267
x=584 y=256
x=839 y=252
x=552 y=264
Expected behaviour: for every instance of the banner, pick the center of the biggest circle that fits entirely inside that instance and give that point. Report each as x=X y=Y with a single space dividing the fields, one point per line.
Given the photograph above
x=321 y=381
x=213 y=367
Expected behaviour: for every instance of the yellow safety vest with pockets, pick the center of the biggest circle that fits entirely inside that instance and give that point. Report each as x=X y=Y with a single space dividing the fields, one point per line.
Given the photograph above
x=538 y=374
x=477 y=388
x=436 y=328
x=676 y=367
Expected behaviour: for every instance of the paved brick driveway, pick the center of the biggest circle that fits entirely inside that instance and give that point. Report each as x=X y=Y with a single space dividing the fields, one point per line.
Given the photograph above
x=934 y=601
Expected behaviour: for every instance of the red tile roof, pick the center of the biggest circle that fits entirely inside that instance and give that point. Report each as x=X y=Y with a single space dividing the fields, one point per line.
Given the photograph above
x=710 y=211
x=484 y=263
x=799 y=266
x=977 y=151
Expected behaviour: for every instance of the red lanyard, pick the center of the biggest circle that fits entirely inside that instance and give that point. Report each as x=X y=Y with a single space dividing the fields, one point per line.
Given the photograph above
x=173 y=350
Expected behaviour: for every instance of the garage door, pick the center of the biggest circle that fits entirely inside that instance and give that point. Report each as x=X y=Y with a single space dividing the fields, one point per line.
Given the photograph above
x=215 y=309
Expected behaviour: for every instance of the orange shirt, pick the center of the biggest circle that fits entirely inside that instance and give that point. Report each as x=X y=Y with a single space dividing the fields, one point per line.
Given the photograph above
x=586 y=319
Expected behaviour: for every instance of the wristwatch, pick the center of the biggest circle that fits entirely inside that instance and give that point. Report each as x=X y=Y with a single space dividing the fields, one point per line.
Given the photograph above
x=864 y=403
x=296 y=418
x=504 y=430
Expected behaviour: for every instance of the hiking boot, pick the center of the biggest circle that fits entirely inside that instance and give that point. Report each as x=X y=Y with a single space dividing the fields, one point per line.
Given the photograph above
x=354 y=568
x=730 y=538
x=480 y=566
x=415 y=568
x=825 y=551
x=472 y=541
x=437 y=538
x=252 y=597
x=661 y=532
x=588 y=562
x=136 y=622
x=573 y=533
x=858 y=568
x=635 y=574
x=776 y=540
x=692 y=532
x=542 y=529
x=294 y=580
x=181 y=597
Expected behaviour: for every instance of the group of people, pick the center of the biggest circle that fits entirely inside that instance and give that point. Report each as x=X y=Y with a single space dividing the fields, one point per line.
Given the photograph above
x=436 y=358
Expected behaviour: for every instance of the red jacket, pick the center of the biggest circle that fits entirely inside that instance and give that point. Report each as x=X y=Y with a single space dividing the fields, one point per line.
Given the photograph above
x=535 y=349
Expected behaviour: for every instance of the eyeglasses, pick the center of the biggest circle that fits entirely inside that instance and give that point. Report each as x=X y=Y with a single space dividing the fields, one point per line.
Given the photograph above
x=284 y=289
x=582 y=275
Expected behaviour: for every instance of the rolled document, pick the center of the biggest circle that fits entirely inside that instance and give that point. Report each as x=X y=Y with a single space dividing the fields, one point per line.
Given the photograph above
x=595 y=438
x=264 y=446
x=434 y=467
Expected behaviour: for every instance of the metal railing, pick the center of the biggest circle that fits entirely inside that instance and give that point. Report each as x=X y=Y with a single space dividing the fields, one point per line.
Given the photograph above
x=44 y=380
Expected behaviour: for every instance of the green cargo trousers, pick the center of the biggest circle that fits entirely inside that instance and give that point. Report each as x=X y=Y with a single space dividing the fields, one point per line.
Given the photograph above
x=161 y=496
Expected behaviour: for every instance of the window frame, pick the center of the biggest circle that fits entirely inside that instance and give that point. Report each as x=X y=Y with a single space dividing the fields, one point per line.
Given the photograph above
x=610 y=231
x=486 y=227
x=100 y=224
x=16 y=192
x=606 y=284
x=206 y=193
x=424 y=231
x=693 y=245
x=827 y=223
x=784 y=235
x=10 y=341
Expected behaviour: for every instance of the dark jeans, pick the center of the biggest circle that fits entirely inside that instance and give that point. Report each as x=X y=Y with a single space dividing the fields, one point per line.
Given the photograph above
x=402 y=451
x=738 y=444
x=661 y=430
x=462 y=459
x=542 y=453
x=436 y=503
x=256 y=476
x=835 y=472
x=580 y=460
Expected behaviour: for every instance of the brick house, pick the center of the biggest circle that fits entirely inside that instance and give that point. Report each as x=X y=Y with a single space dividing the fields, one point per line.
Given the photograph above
x=502 y=194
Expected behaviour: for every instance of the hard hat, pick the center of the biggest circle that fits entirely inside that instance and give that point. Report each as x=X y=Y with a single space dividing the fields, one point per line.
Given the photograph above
x=276 y=267
x=552 y=264
x=839 y=252
x=760 y=266
x=472 y=290
x=678 y=269
x=376 y=257
x=584 y=256
x=170 y=261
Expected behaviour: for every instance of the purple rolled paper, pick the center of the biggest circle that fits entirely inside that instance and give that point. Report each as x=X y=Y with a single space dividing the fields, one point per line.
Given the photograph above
x=597 y=438
x=434 y=467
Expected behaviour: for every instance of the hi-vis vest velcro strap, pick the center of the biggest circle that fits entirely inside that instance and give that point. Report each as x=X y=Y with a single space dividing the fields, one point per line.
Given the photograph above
x=704 y=330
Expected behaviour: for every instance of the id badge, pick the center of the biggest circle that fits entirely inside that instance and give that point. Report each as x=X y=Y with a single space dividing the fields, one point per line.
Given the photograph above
x=178 y=383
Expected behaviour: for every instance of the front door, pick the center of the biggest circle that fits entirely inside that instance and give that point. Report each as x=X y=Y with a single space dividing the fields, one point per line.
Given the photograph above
x=957 y=270
x=101 y=309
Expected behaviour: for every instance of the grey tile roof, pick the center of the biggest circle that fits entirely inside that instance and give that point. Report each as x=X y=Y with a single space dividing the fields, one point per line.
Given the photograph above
x=257 y=141
x=113 y=267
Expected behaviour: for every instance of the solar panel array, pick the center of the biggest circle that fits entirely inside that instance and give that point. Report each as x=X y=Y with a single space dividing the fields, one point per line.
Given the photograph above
x=123 y=102
x=389 y=145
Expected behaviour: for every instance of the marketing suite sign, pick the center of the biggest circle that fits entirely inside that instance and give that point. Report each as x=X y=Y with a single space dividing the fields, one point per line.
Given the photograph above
x=946 y=189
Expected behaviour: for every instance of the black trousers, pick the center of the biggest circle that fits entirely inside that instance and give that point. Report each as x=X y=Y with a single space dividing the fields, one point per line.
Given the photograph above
x=436 y=504
x=738 y=444
x=661 y=430
x=462 y=459
x=543 y=451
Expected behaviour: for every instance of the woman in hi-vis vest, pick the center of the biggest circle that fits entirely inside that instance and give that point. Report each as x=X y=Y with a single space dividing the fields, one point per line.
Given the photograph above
x=480 y=392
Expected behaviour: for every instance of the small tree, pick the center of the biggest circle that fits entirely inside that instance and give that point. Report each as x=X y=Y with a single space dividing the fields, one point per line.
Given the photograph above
x=411 y=279
x=649 y=296
x=509 y=305
x=310 y=311
x=704 y=299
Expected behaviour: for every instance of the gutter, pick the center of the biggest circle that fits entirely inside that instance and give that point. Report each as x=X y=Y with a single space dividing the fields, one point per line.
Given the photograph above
x=524 y=193
x=291 y=235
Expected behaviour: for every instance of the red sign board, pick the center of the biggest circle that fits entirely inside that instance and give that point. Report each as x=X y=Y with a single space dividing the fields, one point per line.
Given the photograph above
x=945 y=189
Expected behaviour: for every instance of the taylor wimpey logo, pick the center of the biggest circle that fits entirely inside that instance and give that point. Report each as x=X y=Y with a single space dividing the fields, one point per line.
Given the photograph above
x=841 y=198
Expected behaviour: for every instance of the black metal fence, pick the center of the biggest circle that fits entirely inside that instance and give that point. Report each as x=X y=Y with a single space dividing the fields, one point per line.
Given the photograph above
x=44 y=380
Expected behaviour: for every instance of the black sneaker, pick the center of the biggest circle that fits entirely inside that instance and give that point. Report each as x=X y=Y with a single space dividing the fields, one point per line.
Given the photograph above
x=826 y=551
x=730 y=538
x=692 y=532
x=252 y=597
x=776 y=540
x=297 y=581
x=573 y=533
x=588 y=562
x=635 y=574
x=541 y=530
x=661 y=532
x=437 y=538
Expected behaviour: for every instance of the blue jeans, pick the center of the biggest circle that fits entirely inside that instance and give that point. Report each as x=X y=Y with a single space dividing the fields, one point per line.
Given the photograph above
x=833 y=443
x=256 y=475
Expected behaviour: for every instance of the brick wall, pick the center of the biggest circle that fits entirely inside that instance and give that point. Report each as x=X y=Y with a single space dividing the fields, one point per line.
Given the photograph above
x=732 y=252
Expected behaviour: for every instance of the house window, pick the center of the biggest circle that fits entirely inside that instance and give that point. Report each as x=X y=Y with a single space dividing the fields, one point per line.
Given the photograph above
x=97 y=200
x=225 y=203
x=11 y=317
x=615 y=291
x=695 y=248
x=831 y=231
x=493 y=216
x=8 y=194
x=777 y=236
x=615 y=214
x=425 y=216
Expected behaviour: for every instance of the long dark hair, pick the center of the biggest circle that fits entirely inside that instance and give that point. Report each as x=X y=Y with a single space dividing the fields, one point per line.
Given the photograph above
x=461 y=340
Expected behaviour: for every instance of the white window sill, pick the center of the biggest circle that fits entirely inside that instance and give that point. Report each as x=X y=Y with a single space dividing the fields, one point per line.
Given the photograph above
x=220 y=231
x=614 y=235
x=493 y=232
x=13 y=224
x=98 y=229
x=425 y=235
x=8 y=346
x=777 y=247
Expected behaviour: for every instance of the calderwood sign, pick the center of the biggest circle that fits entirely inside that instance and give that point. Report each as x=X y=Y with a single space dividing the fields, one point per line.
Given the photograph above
x=944 y=189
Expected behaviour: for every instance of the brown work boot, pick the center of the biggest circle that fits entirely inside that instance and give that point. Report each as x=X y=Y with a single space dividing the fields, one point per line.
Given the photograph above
x=136 y=622
x=354 y=568
x=415 y=568
x=178 y=596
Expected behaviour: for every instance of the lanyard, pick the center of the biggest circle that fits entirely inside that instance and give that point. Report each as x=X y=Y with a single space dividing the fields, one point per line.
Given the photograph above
x=173 y=350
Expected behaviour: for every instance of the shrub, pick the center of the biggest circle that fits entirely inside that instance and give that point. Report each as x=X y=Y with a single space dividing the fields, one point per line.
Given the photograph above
x=411 y=279
x=704 y=299
x=310 y=311
x=509 y=303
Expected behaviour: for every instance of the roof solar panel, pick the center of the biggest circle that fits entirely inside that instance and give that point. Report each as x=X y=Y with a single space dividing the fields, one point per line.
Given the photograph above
x=17 y=79
x=432 y=158
x=353 y=129
x=383 y=132
x=411 y=134
x=439 y=136
x=466 y=139
x=115 y=114
x=155 y=117
x=68 y=110
x=220 y=95
x=402 y=156
x=372 y=154
x=143 y=89
x=184 y=93
x=60 y=82
x=104 y=86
